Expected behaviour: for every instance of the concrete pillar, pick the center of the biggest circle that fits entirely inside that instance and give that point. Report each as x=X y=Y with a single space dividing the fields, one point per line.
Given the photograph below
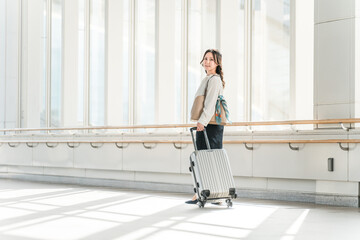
x=336 y=49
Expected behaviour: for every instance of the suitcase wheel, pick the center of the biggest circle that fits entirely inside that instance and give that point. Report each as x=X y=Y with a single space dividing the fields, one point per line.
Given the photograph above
x=229 y=203
x=205 y=193
x=232 y=191
x=201 y=204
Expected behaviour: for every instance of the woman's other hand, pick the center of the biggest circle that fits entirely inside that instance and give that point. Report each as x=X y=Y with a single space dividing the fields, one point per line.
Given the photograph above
x=200 y=127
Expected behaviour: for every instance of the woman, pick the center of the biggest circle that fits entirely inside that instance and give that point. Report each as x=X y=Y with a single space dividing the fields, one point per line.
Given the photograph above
x=212 y=87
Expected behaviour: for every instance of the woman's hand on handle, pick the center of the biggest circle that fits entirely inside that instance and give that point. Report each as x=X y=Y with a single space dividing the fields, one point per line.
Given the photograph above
x=200 y=127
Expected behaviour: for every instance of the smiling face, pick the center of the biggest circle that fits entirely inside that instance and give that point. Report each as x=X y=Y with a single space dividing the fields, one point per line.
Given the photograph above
x=209 y=63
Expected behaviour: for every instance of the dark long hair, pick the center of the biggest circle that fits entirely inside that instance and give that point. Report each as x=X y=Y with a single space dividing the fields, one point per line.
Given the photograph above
x=218 y=60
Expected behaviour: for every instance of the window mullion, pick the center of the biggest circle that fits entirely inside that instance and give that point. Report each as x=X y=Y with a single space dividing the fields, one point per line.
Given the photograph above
x=48 y=63
x=218 y=24
x=248 y=61
x=132 y=63
x=18 y=124
x=62 y=93
x=292 y=64
x=86 y=62
x=184 y=60
x=106 y=63
x=157 y=80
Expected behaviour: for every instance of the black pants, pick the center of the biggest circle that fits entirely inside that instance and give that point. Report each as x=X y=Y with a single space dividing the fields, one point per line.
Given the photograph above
x=215 y=134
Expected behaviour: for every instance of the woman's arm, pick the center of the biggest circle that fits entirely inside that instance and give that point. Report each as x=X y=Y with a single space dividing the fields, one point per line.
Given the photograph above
x=212 y=93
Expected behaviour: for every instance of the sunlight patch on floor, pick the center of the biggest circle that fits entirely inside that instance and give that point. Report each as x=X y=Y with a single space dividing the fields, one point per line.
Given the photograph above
x=62 y=228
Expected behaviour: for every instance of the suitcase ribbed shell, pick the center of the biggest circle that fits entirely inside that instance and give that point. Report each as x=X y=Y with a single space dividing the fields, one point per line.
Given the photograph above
x=212 y=172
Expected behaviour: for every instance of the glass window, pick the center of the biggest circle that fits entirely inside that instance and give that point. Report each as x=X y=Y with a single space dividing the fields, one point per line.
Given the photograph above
x=11 y=68
x=145 y=57
x=202 y=34
x=97 y=63
x=270 y=60
x=56 y=62
x=260 y=95
x=33 y=63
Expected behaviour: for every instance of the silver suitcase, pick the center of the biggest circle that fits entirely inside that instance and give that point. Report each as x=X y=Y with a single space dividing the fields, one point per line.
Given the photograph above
x=213 y=179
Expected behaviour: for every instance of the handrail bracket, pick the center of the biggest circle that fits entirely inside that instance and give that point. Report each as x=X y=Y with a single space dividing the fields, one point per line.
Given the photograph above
x=293 y=148
x=344 y=148
x=248 y=148
x=179 y=147
x=345 y=128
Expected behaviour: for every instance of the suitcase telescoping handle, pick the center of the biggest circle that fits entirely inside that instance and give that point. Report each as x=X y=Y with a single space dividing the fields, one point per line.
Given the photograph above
x=205 y=135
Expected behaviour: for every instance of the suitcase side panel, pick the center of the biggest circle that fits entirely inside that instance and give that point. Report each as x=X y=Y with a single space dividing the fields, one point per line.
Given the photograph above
x=224 y=170
x=223 y=173
x=213 y=172
x=197 y=177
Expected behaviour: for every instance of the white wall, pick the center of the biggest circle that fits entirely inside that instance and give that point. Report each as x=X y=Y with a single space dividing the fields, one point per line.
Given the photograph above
x=267 y=168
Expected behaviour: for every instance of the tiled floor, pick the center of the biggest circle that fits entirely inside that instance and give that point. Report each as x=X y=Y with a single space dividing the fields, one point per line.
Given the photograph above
x=31 y=210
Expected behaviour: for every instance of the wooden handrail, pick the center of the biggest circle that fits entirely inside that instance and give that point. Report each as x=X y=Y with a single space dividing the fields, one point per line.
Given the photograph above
x=34 y=143
x=238 y=124
x=298 y=122
x=187 y=142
